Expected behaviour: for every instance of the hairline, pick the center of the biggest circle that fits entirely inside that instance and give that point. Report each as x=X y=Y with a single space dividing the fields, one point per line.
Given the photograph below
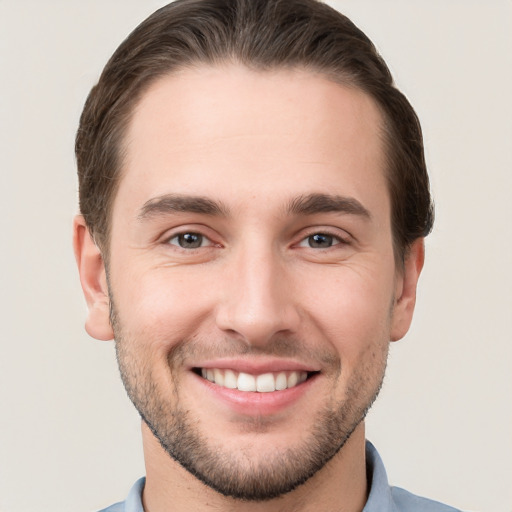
x=129 y=109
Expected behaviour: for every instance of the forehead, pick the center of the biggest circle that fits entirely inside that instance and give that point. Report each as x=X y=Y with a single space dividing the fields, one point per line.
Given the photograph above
x=234 y=132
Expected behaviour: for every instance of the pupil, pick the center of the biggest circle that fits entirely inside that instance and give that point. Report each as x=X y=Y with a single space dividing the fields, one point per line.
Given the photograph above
x=320 y=240
x=190 y=240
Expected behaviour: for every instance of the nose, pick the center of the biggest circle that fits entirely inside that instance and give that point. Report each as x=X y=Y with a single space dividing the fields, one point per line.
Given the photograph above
x=257 y=300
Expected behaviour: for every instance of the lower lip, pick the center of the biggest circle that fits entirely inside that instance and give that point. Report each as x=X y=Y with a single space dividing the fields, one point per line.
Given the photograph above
x=257 y=404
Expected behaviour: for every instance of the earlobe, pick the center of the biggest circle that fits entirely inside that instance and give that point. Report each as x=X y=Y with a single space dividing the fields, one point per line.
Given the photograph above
x=93 y=280
x=405 y=298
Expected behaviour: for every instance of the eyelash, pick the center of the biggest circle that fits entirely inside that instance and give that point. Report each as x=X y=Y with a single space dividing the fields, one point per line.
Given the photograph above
x=335 y=240
x=190 y=233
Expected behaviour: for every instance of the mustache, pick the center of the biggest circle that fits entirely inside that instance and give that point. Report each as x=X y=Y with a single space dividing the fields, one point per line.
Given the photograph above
x=200 y=348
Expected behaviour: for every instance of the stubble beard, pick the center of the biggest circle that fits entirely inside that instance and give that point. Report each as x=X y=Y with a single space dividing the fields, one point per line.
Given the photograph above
x=238 y=475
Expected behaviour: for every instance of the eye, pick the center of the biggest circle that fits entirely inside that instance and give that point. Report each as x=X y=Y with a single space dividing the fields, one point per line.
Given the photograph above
x=190 y=240
x=320 y=241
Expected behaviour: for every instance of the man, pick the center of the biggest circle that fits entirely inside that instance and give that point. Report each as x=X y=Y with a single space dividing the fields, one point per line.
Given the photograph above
x=253 y=199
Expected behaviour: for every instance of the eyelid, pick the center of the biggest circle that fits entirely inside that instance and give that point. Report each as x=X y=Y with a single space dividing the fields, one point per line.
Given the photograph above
x=201 y=230
x=203 y=239
x=342 y=236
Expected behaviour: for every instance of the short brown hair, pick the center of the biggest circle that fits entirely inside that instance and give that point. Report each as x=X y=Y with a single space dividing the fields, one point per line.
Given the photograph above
x=260 y=34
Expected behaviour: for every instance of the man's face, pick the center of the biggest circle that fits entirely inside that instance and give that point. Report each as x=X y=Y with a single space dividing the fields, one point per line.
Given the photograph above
x=252 y=273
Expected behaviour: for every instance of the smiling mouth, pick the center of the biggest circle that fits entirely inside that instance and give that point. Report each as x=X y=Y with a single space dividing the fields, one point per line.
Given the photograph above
x=262 y=383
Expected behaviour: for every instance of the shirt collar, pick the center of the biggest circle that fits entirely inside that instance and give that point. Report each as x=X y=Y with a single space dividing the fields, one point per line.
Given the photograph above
x=379 y=498
x=133 y=501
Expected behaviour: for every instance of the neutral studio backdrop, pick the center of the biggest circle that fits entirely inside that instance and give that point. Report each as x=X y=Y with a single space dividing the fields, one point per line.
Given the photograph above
x=69 y=438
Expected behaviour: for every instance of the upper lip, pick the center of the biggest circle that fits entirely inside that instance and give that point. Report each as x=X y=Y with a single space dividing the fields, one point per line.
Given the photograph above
x=257 y=366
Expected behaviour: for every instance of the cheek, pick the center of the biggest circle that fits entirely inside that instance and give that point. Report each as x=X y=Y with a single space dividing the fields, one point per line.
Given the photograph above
x=354 y=313
x=158 y=307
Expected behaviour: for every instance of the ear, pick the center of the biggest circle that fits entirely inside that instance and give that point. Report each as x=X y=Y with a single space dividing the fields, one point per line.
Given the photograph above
x=405 y=291
x=94 y=281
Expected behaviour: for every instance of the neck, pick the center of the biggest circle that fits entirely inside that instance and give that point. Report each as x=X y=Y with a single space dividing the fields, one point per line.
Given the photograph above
x=340 y=486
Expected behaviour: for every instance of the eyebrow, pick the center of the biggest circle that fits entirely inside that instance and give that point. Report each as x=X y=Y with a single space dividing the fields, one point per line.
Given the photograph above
x=177 y=203
x=312 y=204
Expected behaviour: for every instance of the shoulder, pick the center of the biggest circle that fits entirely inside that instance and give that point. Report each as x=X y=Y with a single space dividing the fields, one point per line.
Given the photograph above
x=133 y=502
x=406 y=501
x=117 y=507
x=385 y=498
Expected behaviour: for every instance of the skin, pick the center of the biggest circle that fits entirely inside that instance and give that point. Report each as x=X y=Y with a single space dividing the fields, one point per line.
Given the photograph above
x=255 y=295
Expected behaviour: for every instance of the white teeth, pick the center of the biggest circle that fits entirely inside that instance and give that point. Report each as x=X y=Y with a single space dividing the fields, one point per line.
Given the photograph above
x=230 y=380
x=281 y=381
x=293 y=378
x=219 y=377
x=263 y=383
x=246 y=382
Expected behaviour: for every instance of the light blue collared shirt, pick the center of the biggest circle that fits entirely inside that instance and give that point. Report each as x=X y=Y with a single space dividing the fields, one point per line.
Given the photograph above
x=382 y=497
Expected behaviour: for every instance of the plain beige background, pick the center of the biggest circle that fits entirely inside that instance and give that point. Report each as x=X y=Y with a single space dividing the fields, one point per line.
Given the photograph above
x=69 y=438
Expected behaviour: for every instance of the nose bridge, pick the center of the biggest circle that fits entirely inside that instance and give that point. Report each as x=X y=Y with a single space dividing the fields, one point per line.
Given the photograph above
x=257 y=304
